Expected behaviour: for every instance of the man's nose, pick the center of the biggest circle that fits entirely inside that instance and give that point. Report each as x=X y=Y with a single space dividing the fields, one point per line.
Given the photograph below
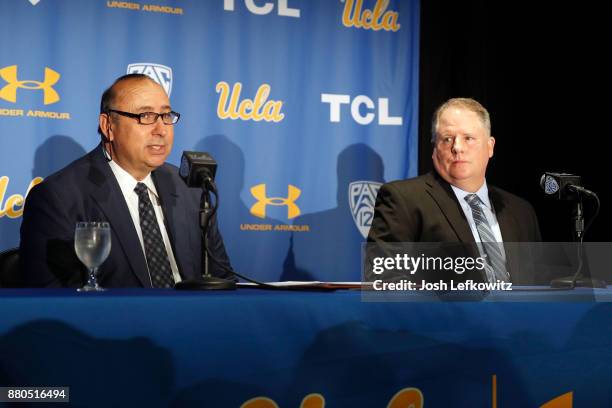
x=457 y=145
x=159 y=127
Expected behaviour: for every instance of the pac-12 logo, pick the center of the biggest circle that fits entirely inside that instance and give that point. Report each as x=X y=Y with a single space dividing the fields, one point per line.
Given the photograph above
x=362 y=196
x=157 y=72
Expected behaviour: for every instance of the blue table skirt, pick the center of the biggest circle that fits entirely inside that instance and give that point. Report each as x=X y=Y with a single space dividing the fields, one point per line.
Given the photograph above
x=164 y=348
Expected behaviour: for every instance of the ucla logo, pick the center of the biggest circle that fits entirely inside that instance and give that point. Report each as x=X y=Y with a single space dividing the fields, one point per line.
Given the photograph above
x=9 y=92
x=362 y=197
x=255 y=109
x=13 y=207
x=259 y=208
x=157 y=72
x=409 y=397
x=377 y=19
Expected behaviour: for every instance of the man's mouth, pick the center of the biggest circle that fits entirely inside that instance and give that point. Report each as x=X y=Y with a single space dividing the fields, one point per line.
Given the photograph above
x=157 y=148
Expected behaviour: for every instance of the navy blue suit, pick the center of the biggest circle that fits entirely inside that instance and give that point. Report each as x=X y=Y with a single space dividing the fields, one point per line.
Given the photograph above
x=87 y=190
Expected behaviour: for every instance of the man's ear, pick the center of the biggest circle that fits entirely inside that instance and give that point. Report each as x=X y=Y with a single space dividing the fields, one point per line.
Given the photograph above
x=491 y=144
x=104 y=121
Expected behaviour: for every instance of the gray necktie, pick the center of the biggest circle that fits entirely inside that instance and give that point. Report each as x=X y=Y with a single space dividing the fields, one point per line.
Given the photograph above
x=155 y=250
x=496 y=269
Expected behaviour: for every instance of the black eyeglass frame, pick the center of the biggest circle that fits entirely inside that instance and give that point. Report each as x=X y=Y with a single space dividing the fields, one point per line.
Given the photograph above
x=139 y=116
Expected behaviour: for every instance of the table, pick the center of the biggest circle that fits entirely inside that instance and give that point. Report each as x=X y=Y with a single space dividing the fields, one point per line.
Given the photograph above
x=165 y=348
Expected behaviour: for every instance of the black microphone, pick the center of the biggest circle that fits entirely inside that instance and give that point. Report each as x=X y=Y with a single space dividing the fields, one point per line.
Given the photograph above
x=562 y=186
x=198 y=169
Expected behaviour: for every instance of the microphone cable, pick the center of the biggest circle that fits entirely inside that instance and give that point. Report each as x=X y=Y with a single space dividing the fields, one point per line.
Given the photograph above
x=211 y=256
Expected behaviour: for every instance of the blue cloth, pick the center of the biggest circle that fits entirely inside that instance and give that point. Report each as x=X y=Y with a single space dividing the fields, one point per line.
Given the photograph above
x=163 y=348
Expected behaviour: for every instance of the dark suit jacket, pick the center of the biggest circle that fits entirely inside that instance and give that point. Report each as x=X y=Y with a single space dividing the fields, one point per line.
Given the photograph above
x=87 y=190
x=425 y=209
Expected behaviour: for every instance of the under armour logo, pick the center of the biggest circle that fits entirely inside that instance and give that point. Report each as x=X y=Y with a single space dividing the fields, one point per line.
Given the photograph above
x=9 y=92
x=259 y=208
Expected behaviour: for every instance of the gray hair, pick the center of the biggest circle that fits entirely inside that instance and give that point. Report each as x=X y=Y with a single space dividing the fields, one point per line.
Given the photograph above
x=465 y=103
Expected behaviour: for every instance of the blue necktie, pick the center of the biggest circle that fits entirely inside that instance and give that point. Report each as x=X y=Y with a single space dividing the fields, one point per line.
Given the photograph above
x=496 y=267
x=155 y=250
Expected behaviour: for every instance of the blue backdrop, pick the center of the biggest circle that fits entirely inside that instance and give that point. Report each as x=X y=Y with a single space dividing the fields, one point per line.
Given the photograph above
x=306 y=105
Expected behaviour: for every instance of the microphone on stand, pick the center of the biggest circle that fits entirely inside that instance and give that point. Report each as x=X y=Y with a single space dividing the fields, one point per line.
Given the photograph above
x=198 y=170
x=564 y=186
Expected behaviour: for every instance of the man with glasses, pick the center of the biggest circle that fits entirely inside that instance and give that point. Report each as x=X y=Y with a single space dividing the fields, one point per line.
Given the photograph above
x=154 y=217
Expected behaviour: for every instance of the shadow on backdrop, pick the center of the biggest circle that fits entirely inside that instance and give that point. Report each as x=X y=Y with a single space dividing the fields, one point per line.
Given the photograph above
x=52 y=155
x=331 y=250
x=99 y=372
x=256 y=254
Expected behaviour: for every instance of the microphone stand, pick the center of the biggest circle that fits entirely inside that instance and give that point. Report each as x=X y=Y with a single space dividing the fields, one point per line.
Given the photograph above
x=578 y=279
x=207 y=281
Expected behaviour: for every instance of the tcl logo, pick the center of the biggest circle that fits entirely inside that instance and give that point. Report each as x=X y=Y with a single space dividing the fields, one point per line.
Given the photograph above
x=263 y=8
x=363 y=109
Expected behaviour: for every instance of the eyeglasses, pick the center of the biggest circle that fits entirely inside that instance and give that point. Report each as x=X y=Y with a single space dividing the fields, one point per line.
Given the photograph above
x=149 y=118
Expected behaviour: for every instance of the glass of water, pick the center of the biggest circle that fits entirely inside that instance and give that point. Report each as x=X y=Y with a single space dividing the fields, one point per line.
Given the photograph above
x=92 y=243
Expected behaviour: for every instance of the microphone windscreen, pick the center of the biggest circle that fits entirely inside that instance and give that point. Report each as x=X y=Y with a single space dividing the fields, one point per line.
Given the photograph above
x=197 y=167
x=549 y=184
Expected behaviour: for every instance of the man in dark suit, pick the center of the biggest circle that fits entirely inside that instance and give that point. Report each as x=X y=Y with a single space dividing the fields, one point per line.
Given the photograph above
x=153 y=216
x=453 y=203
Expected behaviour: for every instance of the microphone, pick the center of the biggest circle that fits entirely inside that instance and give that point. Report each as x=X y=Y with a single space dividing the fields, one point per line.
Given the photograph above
x=562 y=186
x=198 y=169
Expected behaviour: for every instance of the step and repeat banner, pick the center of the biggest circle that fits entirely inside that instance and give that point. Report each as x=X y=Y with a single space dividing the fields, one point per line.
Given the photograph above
x=306 y=105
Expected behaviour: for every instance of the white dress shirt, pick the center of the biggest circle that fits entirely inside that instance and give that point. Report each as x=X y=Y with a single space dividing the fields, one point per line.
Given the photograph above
x=127 y=183
x=487 y=209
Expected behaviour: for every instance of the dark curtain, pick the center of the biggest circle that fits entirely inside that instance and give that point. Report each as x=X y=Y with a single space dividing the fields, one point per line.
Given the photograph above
x=542 y=73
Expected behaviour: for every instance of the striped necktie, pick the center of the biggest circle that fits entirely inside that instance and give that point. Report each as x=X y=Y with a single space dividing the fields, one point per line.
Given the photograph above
x=496 y=267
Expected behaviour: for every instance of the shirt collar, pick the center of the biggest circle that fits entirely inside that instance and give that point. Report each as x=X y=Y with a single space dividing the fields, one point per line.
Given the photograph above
x=127 y=182
x=482 y=193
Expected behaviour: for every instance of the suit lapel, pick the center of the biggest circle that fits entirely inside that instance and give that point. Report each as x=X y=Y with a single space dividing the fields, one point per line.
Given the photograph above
x=443 y=195
x=507 y=222
x=108 y=196
x=508 y=227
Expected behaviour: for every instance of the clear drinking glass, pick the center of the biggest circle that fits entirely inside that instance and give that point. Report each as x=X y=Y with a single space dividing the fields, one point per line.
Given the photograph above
x=92 y=243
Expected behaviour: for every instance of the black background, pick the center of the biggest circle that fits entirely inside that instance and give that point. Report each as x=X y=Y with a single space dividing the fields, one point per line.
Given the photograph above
x=542 y=72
